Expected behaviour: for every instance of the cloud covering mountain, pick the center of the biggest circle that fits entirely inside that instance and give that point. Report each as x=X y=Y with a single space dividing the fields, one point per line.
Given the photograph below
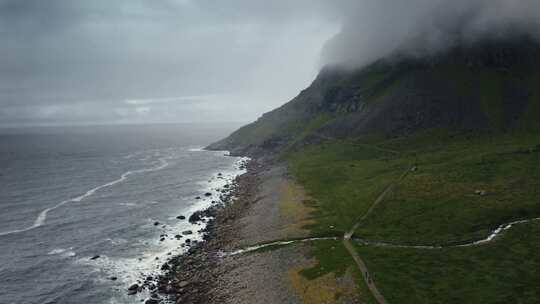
x=374 y=28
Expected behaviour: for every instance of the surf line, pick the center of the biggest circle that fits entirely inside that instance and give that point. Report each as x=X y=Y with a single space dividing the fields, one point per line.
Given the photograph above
x=42 y=217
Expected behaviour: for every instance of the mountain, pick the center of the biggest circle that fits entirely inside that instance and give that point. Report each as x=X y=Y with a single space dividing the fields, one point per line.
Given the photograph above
x=492 y=86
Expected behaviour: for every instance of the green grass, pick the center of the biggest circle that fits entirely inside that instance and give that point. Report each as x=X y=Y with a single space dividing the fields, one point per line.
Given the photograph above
x=345 y=178
x=530 y=121
x=505 y=271
x=434 y=205
x=437 y=205
x=332 y=257
x=308 y=128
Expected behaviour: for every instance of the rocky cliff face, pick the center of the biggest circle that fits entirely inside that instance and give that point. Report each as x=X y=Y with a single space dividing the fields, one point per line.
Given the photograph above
x=493 y=86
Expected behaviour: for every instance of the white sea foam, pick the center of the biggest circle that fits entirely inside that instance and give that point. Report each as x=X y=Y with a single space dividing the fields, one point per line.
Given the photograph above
x=42 y=217
x=195 y=149
x=65 y=253
x=128 y=270
x=128 y=204
x=56 y=251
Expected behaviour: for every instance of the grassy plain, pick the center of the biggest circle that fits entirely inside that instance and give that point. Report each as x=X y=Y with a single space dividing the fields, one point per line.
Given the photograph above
x=435 y=205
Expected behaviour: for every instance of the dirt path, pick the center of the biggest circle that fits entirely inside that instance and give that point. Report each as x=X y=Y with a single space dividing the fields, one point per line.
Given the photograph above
x=354 y=254
x=364 y=271
x=348 y=241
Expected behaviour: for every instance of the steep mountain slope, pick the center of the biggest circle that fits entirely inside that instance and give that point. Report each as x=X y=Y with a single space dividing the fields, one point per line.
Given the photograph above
x=493 y=86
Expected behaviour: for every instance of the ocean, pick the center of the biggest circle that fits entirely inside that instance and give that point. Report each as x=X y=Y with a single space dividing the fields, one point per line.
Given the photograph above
x=68 y=195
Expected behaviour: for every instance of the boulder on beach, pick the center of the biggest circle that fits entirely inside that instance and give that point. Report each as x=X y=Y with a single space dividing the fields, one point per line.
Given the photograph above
x=95 y=257
x=195 y=217
x=187 y=232
x=156 y=223
x=183 y=284
x=198 y=197
x=181 y=217
x=133 y=289
x=208 y=194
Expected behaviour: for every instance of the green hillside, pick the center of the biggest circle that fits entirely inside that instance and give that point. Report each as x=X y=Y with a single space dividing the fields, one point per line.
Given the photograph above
x=493 y=87
x=422 y=157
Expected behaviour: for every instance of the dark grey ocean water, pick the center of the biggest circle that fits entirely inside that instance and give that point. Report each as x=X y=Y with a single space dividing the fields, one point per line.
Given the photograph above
x=67 y=195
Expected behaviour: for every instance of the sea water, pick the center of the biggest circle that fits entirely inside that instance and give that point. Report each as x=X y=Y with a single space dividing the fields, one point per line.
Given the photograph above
x=68 y=195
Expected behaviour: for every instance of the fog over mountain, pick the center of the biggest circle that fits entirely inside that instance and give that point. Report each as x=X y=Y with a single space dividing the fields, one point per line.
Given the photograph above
x=73 y=62
x=374 y=28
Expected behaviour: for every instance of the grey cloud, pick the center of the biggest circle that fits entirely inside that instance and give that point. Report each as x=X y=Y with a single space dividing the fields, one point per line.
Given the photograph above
x=79 y=61
x=376 y=28
x=62 y=53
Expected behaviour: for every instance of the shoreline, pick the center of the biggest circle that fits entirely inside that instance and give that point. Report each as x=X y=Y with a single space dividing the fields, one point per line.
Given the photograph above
x=190 y=276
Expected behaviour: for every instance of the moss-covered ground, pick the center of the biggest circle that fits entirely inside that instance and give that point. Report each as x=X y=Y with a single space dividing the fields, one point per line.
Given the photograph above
x=435 y=204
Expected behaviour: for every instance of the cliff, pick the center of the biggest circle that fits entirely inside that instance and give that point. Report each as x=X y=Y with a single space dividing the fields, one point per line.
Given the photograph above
x=491 y=87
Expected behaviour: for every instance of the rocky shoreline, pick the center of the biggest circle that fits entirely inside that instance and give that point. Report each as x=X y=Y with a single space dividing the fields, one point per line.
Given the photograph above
x=192 y=276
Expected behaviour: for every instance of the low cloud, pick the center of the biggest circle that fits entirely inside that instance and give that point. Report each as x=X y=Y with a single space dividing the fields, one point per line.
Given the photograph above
x=375 y=28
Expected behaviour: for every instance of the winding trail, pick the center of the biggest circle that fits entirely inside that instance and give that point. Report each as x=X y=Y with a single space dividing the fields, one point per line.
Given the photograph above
x=498 y=231
x=42 y=216
x=354 y=254
x=348 y=237
x=276 y=243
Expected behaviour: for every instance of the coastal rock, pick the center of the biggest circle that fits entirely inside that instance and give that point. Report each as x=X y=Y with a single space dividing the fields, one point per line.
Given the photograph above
x=156 y=223
x=181 y=217
x=166 y=288
x=113 y=278
x=198 y=197
x=480 y=192
x=195 y=217
x=95 y=257
x=178 y=236
x=152 y=301
x=208 y=194
x=183 y=284
x=187 y=232
x=133 y=289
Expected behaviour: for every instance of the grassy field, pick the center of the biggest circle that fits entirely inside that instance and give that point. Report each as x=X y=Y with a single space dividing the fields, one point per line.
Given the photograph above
x=344 y=178
x=504 y=271
x=435 y=204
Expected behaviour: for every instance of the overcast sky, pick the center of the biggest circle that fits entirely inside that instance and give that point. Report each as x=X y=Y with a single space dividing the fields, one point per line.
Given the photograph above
x=137 y=61
x=126 y=61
